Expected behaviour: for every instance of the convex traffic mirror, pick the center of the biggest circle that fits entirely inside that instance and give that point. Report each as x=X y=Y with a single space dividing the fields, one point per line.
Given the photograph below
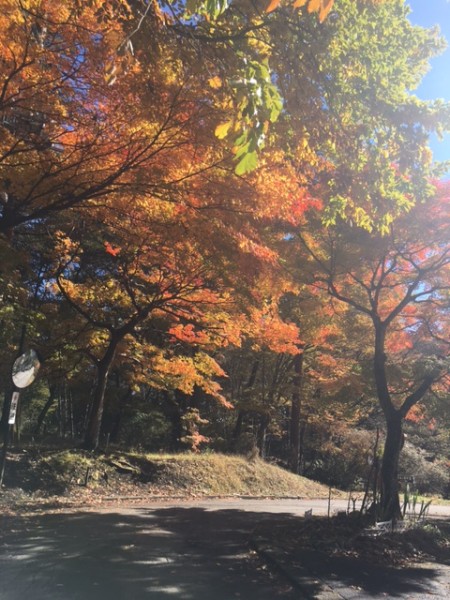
x=25 y=369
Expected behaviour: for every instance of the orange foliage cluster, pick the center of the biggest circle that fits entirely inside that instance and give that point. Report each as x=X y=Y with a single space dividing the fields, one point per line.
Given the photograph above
x=322 y=7
x=187 y=333
x=163 y=254
x=268 y=330
x=416 y=414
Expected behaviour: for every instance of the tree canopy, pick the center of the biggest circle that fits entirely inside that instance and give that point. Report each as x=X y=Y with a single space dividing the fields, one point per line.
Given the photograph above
x=186 y=187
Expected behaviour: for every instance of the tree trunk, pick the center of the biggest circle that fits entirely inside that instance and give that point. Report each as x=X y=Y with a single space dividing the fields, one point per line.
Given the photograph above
x=390 y=502
x=301 y=454
x=51 y=398
x=237 y=430
x=72 y=427
x=60 y=416
x=115 y=429
x=294 y=429
x=180 y=406
x=261 y=434
x=242 y=413
x=92 y=436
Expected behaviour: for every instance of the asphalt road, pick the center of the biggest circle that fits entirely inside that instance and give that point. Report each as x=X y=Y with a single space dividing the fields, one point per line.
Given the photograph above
x=181 y=551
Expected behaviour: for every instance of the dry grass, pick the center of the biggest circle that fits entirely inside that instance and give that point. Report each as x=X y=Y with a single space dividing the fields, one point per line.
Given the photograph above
x=80 y=477
x=218 y=474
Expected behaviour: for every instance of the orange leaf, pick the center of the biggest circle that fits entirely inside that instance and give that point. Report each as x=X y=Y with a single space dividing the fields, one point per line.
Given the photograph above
x=273 y=5
x=327 y=5
x=314 y=5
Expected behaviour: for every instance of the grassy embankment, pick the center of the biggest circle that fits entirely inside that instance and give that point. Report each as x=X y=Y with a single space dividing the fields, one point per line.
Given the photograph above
x=82 y=477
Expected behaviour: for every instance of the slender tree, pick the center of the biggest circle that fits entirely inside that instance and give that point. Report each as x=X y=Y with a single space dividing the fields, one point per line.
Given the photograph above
x=399 y=283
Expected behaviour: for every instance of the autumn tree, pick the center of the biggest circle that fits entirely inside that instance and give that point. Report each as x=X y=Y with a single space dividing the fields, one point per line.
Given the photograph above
x=345 y=138
x=165 y=280
x=128 y=129
x=399 y=283
x=98 y=132
x=117 y=290
x=258 y=379
x=357 y=135
x=85 y=67
x=68 y=70
x=321 y=371
x=82 y=123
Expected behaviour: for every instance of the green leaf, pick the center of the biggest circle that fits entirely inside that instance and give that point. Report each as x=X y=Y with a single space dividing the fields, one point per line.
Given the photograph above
x=243 y=150
x=248 y=163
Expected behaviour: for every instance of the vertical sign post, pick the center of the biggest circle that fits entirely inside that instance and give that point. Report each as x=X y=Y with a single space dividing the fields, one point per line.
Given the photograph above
x=24 y=371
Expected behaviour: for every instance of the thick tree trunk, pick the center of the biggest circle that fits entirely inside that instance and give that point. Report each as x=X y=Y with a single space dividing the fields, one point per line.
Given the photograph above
x=294 y=426
x=390 y=502
x=92 y=436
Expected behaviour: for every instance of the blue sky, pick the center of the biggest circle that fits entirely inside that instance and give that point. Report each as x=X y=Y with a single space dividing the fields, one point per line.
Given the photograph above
x=436 y=84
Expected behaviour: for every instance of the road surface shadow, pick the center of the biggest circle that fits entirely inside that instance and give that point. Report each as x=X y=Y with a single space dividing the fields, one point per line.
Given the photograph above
x=353 y=578
x=174 y=553
x=181 y=553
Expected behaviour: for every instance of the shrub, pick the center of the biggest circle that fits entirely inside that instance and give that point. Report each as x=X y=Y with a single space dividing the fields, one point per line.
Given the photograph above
x=428 y=477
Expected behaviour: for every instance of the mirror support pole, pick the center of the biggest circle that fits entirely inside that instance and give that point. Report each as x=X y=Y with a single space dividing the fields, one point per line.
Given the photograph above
x=6 y=437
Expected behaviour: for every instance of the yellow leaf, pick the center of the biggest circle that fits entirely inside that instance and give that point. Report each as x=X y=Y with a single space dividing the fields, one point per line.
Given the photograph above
x=299 y=3
x=215 y=82
x=273 y=5
x=223 y=129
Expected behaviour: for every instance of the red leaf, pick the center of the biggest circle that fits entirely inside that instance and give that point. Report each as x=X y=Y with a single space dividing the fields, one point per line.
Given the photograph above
x=111 y=250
